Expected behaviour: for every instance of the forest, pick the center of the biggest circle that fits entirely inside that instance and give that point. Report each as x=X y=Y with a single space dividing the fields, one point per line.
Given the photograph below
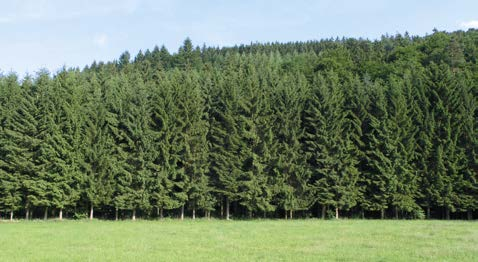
x=332 y=128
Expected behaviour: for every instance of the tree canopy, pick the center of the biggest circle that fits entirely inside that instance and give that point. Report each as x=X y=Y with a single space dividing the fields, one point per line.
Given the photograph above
x=330 y=128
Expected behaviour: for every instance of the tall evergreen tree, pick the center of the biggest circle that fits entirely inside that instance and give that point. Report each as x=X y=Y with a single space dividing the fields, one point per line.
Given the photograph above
x=330 y=146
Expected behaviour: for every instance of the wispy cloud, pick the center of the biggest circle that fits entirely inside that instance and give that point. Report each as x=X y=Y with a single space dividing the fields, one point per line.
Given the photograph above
x=100 y=40
x=55 y=10
x=4 y=20
x=470 y=24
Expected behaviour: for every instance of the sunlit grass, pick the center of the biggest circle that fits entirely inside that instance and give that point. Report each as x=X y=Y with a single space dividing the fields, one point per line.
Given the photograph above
x=217 y=240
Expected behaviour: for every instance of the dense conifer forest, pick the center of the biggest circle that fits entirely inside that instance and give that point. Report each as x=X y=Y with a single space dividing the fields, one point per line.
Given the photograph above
x=331 y=128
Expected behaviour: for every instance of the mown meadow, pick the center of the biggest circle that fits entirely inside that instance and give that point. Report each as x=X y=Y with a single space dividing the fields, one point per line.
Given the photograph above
x=242 y=240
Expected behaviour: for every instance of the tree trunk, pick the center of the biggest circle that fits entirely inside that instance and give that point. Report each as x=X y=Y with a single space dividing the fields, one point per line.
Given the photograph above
x=116 y=214
x=161 y=212
x=291 y=214
x=134 y=214
x=396 y=212
x=182 y=212
x=222 y=208
x=428 y=212
x=157 y=211
x=227 y=208
x=11 y=215
x=45 y=215
x=285 y=213
x=447 y=213
x=336 y=213
x=61 y=214
x=91 y=212
x=382 y=213
x=362 y=213
x=469 y=215
x=27 y=214
x=194 y=213
x=324 y=211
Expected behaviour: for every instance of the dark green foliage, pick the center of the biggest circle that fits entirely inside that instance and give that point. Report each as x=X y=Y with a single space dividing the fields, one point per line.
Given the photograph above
x=329 y=142
x=379 y=129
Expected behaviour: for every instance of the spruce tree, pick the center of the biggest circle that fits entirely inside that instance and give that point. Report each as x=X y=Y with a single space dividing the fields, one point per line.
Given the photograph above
x=330 y=146
x=169 y=186
x=98 y=149
x=289 y=171
x=11 y=147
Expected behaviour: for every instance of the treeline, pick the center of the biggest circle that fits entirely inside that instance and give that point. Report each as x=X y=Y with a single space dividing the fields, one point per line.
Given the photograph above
x=338 y=127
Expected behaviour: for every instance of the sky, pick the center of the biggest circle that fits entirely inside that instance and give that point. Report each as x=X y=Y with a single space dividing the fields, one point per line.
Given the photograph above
x=37 y=34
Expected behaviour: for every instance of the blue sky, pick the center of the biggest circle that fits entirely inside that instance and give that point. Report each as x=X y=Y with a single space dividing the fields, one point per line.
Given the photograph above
x=38 y=34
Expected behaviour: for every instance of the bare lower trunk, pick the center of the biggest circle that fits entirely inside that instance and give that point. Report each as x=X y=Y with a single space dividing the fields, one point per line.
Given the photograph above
x=265 y=215
x=222 y=208
x=285 y=214
x=61 y=214
x=428 y=212
x=182 y=212
x=447 y=213
x=27 y=214
x=382 y=213
x=291 y=214
x=324 y=210
x=336 y=213
x=116 y=214
x=91 y=212
x=396 y=213
x=45 y=215
x=134 y=214
x=161 y=213
x=227 y=208
x=469 y=215
x=11 y=215
x=194 y=213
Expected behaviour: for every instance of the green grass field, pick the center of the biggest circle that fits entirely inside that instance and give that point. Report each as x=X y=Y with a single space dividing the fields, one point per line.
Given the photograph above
x=259 y=240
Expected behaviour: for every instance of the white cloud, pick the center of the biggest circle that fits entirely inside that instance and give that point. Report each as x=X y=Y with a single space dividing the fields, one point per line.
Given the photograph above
x=55 y=10
x=100 y=40
x=4 y=20
x=470 y=24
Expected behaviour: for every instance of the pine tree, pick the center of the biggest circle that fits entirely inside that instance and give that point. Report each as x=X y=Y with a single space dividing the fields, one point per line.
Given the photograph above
x=169 y=186
x=292 y=189
x=330 y=146
x=194 y=131
x=188 y=57
x=11 y=150
x=38 y=183
x=392 y=181
x=61 y=150
x=469 y=142
x=255 y=130
x=446 y=156
x=136 y=146
x=99 y=159
x=225 y=137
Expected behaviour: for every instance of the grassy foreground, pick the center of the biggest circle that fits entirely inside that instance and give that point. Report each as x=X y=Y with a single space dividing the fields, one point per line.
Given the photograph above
x=259 y=240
